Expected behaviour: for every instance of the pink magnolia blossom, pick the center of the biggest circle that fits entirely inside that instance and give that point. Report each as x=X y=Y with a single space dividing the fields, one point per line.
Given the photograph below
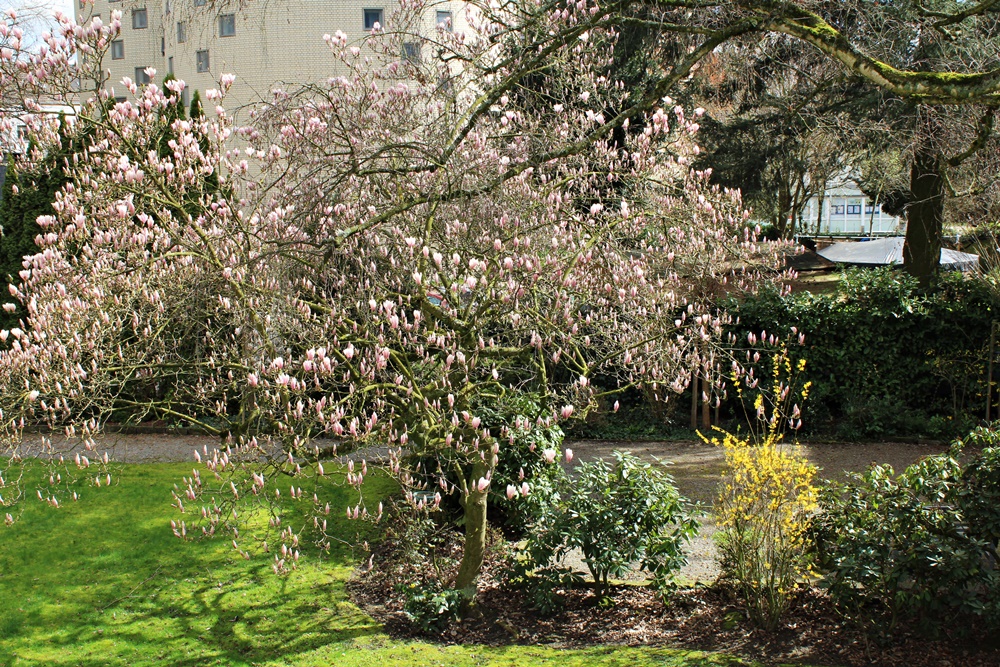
x=444 y=261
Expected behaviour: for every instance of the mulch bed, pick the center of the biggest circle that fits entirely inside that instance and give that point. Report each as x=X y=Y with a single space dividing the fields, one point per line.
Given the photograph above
x=705 y=618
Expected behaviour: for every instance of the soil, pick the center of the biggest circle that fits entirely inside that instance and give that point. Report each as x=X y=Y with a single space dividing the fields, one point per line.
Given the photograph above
x=702 y=618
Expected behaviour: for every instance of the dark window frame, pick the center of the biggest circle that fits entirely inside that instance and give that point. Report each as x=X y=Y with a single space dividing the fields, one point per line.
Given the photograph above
x=375 y=14
x=227 y=20
x=411 y=52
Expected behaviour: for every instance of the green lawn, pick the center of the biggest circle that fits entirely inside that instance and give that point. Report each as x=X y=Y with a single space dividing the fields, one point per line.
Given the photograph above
x=104 y=582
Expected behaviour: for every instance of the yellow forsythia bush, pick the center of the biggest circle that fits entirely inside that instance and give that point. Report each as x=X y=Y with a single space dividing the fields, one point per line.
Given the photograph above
x=766 y=499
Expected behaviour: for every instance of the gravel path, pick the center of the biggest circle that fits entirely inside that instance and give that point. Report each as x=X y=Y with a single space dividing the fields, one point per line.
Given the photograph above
x=132 y=448
x=695 y=467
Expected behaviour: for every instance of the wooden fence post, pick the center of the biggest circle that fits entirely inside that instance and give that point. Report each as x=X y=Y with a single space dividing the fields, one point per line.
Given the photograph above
x=989 y=373
x=706 y=396
x=694 y=399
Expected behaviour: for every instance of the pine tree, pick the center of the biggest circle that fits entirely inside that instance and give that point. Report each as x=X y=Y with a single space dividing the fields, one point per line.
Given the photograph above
x=196 y=110
x=28 y=194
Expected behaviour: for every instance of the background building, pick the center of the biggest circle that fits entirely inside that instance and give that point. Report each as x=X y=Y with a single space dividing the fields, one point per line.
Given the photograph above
x=844 y=210
x=265 y=43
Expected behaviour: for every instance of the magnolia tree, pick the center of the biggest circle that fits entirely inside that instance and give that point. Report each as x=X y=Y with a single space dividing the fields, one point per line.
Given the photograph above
x=378 y=260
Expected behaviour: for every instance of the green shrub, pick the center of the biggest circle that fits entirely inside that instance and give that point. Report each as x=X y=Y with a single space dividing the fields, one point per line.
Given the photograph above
x=979 y=495
x=520 y=423
x=430 y=606
x=918 y=547
x=885 y=358
x=543 y=584
x=619 y=515
x=520 y=460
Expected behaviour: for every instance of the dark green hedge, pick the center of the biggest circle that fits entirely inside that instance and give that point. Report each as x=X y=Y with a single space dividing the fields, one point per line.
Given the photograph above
x=884 y=357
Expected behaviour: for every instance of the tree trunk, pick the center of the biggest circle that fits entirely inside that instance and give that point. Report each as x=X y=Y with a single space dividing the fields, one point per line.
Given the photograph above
x=924 y=216
x=784 y=204
x=475 y=542
x=819 y=201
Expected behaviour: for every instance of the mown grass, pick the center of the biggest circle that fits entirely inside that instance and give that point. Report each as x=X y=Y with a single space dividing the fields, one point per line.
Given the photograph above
x=104 y=582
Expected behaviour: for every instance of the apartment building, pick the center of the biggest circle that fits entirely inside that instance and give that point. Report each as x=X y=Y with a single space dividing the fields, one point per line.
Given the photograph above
x=265 y=43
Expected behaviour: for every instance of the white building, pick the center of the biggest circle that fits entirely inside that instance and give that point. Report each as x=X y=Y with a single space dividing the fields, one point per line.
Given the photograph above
x=844 y=210
x=266 y=43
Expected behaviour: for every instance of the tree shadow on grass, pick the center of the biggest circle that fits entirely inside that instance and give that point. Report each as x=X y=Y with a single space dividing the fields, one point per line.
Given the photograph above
x=105 y=582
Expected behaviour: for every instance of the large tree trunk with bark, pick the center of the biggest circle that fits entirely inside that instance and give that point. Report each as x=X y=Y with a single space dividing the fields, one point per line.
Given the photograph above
x=924 y=215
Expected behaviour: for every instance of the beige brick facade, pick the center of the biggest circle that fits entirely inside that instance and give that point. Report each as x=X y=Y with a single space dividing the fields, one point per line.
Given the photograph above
x=274 y=43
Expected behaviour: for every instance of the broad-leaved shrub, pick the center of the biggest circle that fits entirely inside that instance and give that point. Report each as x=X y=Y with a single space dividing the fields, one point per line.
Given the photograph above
x=918 y=547
x=621 y=514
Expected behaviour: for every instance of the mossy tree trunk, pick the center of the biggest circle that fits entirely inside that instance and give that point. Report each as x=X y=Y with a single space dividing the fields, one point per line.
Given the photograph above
x=475 y=504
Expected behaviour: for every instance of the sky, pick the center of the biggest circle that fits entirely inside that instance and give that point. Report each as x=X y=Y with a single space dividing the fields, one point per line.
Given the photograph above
x=43 y=9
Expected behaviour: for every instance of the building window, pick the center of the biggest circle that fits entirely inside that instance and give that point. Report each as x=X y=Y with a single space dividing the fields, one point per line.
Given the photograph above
x=163 y=46
x=118 y=49
x=854 y=209
x=170 y=65
x=140 y=19
x=373 y=17
x=227 y=25
x=186 y=97
x=411 y=52
x=201 y=60
x=141 y=76
x=120 y=100
x=166 y=7
x=838 y=209
x=182 y=33
x=200 y=3
x=443 y=20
